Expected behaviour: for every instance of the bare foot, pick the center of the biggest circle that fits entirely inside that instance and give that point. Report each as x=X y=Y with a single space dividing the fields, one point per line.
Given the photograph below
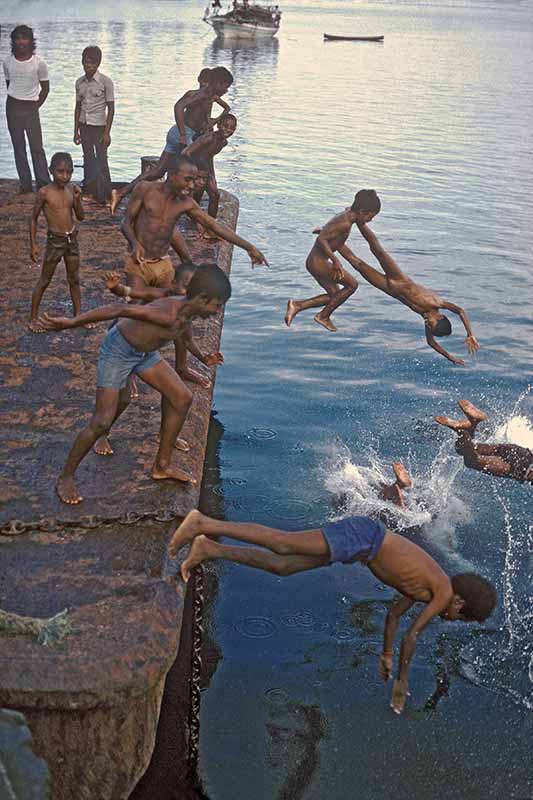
x=454 y=424
x=35 y=327
x=475 y=415
x=190 y=527
x=180 y=444
x=195 y=377
x=68 y=491
x=403 y=479
x=292 y=310
x=115 y=200
x=134 y=389
x=201 y=548
x=102 y=447
x=327 y=323
x=171 y=473
x=90 y=325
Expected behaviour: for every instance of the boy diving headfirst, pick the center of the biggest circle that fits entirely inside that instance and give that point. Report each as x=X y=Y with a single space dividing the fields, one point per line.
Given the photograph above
x=132 y=346
x=422 y=301
x=501 y=460
x=393 y=559
x=324 y=265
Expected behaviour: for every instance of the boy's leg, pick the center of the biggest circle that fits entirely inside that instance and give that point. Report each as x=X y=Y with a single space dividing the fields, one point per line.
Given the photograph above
x=349 y=285
x=182 y=367
x=176 y=399
x=370 y=274
x=150 y=174
x=482 y=457
x=102 y=419
x=102 y=446
x=203 y=548
x=304 y=543
x=320 y=268
x=72 y=264
x=52 y=257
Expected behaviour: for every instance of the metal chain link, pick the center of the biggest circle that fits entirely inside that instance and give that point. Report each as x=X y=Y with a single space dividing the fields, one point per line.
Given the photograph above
x=15 y=527
x=196 y=670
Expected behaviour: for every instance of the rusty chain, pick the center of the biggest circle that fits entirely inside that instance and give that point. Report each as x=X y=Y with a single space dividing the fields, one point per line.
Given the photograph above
x=196 y=670
x=15 y=527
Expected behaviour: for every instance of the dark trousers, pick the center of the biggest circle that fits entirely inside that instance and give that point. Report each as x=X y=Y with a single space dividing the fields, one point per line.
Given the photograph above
x=96 y=177
x=23 y=121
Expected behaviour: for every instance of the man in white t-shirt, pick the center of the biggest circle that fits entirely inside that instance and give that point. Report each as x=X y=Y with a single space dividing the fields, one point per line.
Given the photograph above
x=27 y=88
x=93 y=117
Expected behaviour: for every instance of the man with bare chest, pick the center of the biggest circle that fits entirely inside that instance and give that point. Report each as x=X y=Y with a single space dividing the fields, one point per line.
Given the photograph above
x=150 y=226
x=325 y=267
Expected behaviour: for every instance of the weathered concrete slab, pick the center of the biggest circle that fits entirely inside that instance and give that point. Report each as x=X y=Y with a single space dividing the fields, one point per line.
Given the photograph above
x=92 y=702
x=50 y=383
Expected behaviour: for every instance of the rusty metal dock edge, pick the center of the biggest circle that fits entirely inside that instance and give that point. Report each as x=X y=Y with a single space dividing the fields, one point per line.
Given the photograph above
x=92 y=702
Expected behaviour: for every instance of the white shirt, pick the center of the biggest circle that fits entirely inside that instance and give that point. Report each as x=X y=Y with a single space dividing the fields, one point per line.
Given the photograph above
x=25 y=76
x=93 y=97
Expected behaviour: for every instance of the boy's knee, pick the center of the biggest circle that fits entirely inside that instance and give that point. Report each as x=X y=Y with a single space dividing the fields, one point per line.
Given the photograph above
x=73 y=280
x=182 y=400
x=101 y=423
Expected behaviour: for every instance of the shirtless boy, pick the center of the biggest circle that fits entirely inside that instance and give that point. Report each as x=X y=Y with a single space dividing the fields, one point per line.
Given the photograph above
x=324 y=265
x=393 y=559
x=422 y=301
x=60 y=201
x=192 y=111
x=132 y=346
x=150 y=226
x=501 y=460
x=205 y=148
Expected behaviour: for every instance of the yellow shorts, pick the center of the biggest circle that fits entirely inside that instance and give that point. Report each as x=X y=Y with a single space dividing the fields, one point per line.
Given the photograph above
x=153 y=271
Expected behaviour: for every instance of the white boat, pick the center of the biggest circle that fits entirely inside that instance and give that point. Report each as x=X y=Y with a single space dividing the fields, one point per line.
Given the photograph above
x=244 y=20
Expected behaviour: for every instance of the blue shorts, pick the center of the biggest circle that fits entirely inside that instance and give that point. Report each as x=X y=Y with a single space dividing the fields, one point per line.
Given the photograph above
x=118 y=359
x=173 y=145
x=354 y=539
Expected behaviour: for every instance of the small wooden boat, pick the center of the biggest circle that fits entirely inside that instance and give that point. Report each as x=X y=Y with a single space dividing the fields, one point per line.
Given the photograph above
x=329 y=37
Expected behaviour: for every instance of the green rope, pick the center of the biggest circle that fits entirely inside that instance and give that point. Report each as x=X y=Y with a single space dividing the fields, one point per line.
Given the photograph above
x=48 y=631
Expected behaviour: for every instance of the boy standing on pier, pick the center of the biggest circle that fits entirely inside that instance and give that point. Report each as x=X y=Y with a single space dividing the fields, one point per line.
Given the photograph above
x=205 y=148
x=324 y=265
x=60 y=202
x=192 y=111
x=93 y=118
x=132 y=346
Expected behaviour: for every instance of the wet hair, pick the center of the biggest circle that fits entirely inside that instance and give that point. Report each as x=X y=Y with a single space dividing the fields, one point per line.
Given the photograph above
x=61 y=158
x=93 y=52
x=204 y=74
x=23 y=30
x=442 y=328
x=222 y=75
x=478 y=593
x=177 y=162
x=209 y=280
x=366 y=200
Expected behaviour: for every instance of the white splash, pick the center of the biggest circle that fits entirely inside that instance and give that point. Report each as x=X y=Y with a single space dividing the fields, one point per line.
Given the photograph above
x=515 y=430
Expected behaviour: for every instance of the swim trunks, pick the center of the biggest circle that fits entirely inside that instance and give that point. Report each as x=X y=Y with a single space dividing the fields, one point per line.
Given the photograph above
x=354 y=539
x=520 y=459
x=59 y=245
x=153 y=271
x=118 y=359
x=173 y=145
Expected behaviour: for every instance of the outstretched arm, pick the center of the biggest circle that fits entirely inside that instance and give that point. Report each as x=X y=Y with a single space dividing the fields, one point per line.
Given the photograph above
x=146 y=294
x=440 y=350
x=470 y=341
x=157 y=315
x=209 y=359
x=226 y=233
x=394 y=614
x=400 y=689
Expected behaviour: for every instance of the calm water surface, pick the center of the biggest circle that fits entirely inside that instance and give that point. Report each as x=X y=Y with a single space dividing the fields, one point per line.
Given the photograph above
x=438 y=120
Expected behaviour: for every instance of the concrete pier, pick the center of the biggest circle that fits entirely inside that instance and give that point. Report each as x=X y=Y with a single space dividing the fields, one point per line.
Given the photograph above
x=92 y=701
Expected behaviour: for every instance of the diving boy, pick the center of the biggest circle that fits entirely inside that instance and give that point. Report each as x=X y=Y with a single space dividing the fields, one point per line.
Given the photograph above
x=393 y=559
x=501 y=460
x=132 y=346
x=324 y=265
x=204 y=149
x=60 y=202
x=93 y=117
x=422 y=301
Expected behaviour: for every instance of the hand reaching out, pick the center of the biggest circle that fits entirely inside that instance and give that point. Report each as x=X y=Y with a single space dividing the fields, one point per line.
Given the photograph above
x=472 y=344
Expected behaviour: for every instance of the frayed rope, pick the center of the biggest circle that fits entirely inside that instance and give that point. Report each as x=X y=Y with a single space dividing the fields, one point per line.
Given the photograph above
x=47 y=631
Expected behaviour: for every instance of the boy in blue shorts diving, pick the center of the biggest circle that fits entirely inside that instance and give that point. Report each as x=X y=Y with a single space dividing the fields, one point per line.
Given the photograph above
x=392 y=558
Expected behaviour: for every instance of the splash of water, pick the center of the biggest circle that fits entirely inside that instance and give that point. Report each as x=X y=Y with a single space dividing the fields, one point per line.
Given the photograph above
x=516 y=430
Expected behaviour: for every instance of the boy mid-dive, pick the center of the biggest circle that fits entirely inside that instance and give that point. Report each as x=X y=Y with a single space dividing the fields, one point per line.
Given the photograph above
x=501 y=460
x=422 y=301
x=392 y=558
x=132 y=346
x=325 y=267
